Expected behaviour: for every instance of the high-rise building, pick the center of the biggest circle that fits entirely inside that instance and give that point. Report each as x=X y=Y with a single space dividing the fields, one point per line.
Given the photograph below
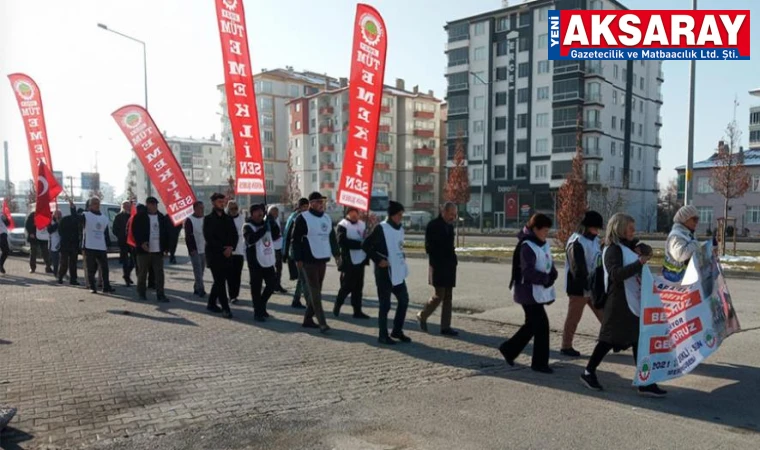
x=408 y=147
x=274 y=89
x=754 y=123
x=518 y=115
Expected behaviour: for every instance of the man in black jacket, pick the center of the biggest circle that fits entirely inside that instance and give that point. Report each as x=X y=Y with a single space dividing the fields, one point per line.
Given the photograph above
x=221 y=239
x=442 y=263
x=151 y=233
x=303 y=205
x=120 y=231
x=71 y=245
x=351 y=232
x=38 y=244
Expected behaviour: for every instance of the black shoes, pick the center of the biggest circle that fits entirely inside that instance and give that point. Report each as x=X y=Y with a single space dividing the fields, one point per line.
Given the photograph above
x=450 y=332
x=422 y=322
x=652 y=391
x=543 y=369
x=401 y=337
x=60 y=281
x=172 y=260
x=48 y=270
x=74 y=283
x=591 y=382
x=227 y=314
x=32 y=270
x=128 y=281
x=93 y=291
x=282 y=291
x=503 y=351
x=309 y=324
x=336 y=309
x=360 y=315
x=108 y=290
x=142 y=297
x=234 y=301
x=162 y=299
x=2 y=270
x=297 y=305
x=386 y=340
x=573 y=353
x=214 y=309
x=258 y=318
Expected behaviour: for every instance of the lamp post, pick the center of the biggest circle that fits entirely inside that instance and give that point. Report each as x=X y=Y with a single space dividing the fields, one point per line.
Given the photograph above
x=689 y=181
x=145 y=80
x=486 y=126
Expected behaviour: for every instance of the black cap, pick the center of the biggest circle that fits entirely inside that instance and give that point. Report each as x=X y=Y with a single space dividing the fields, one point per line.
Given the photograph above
x=303 y=201
x=316 y=196
x=394 y=208
x=593 y=219
x=216 y=196
x=256 y=206
x=151 y=200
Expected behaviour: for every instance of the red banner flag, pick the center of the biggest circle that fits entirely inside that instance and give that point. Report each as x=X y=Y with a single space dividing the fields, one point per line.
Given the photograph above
x=30 y=103
x=365 y=96
x=47 y=190
x=241 y=98
x=158 y=160
x=510 y=206
x=130 y=238
x=8 y=215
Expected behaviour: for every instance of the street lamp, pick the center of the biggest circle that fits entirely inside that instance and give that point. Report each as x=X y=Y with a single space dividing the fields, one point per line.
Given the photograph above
x=145 y=78
x=689 y=181
x=486 y=126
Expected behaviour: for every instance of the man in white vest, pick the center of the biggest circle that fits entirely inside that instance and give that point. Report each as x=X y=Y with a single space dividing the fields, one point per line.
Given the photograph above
x=196 y=247
x=238 y=253
x=351 y=232
x=313 y=243
x=261 y=257
x=151 y=232
x=96 y=242
x=273 y=216
x=385 y=247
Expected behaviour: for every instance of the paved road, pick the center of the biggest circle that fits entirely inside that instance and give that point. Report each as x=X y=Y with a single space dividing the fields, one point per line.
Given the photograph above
x=109 y=372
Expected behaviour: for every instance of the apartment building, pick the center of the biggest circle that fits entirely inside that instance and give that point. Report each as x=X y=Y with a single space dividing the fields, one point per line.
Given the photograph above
x=754 y=122
x=407 y=161
x=517 y=114
x=274 y=89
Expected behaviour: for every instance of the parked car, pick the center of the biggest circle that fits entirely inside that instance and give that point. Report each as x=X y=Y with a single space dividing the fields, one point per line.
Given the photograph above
x=17 y=236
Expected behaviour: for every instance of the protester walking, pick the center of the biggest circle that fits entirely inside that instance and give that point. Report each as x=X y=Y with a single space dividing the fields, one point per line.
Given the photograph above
x=582 y=256
x=442 y=265
x=532 y=284
x=221 y=238
x=196 y=247
x=234 y=280
x=38 y=244
x=287 y=253
x=351 y=232
x=273 y=215
x=54 y=240
x=261 y=258
x=681 y=243
x=71 y=246
x=313 y=243
x=5 y=249
x=385 y=247
x=96 y=242
x=151 y=234
x=126 y=259
x=623 y=258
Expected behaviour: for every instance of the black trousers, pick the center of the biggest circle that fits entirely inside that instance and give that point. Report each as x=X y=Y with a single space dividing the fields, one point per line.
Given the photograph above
x=235 y=277
x=601 y=350
x=536 y=327
x=95 y=259
x=351 y=282
x=220 y=270
x=278 y=269
x=5 y=250
x=127 y=260
x=68 y=264
x=261 y=277
x=38 y=248
x=384 y=291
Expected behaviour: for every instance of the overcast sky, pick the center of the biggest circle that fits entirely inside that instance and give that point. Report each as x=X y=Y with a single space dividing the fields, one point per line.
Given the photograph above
x=85 y=73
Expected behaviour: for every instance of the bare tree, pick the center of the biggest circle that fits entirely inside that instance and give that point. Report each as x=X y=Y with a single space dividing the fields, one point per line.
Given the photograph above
x=606 y=201
x=667 y=206
x=649 y=214
x=292 y=191
x=572 y=194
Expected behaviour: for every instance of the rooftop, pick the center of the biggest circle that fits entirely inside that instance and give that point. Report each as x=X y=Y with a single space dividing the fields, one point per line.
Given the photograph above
x=387 y=89
x=191 y=140
x=751 y=159
x=289 y=74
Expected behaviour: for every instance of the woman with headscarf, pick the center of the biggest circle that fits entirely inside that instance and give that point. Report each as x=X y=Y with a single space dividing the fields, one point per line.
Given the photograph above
x=681 y=243
x=623 y=259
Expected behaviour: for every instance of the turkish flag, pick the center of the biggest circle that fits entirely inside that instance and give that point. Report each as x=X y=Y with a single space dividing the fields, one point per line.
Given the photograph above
x=130 y=238
x=510 y=206
x=47 y=190
x=7 y=214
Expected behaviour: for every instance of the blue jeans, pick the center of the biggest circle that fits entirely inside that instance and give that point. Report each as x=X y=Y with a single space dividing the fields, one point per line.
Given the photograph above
x=384 y=291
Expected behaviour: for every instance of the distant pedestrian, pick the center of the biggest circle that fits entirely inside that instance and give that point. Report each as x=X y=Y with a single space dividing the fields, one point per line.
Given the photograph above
x=681 y=243
x=287 y=252
x=385 y=247
x=221 y=240
x=313 y=243
x=38 y=244
x=261 y=258
x=96 y=242
x=196 y=247
x=151 y=233
x=532 y=284
x=71 y=246
x=582 y=255
x=351 y=232
x=234 y=280
x=5 y=249
x=273 y=215
x=54 y=240
x=126 y=258
x=442 y=265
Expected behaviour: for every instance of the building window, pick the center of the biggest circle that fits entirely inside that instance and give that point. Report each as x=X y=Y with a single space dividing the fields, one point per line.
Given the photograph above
x=522 y=45
x=612 y=146
x=540 y=172
x=477 y=175
x=501 y=48
x=704 y=186
x=638 y=150
x=522 y=121
x=543 y=66
x=298 y=124
x=479 y=54
x=521 y=171
x=459 y=32
x=500 y=148
x=622 y=124
x=295 y=90
x=313 y=177
x=542 y=120
x=477 y=126
x=313 y=159
x=502 y=24
x=754 y=118
x=753 y=214
x=501 y=73
x=755 y=183
x=543 y=40
x=638 y=176
x=499 y=172
x=614 y=96
x=523 y=70
x=523 y=95
x=479 y=29
x=524 y=19
x=641 y=107
x=522 y=146
x=501 y=98
x=641 y=133
x=478 y=102
x=542 y=146
x=268 y=152
x=298 y=160
x=477 y=151
x=268 y=169
x=615 y=71
x=612 y=173
x=268 y=136
x=542 y=13
x=501 y=123
x=614 y=126
x=542 y=93
x=633 y=104
x=642 y=80
x=298 y=107
x=754 y=136
x=705 y=214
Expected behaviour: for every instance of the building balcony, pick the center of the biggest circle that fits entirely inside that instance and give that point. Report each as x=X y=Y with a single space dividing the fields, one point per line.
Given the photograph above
x=327 y=185
x=657 y=165
x=384 y=128
x=658 y=121
x=592 y=125
x=326 y=110
x=658 y=98
x=385 y=109
x=383 y=148
x=593 y=153
x=327 y=166
x=382 y=166
x=424 y=169
x=594 y=70
x=572 y=123
x=567 y=68
x=424 y=114
x=594 y=98
x=460 y=43
x=326 y=129
x=563 y=96
x=424 y=133
x=456 y=87
x=457 y=111
x=327 y=148
x=427 y=187
x=657 y=142
x=423 y=205
x=458 y=66
x=593 y=178
x=424 y=151
x=660 y=75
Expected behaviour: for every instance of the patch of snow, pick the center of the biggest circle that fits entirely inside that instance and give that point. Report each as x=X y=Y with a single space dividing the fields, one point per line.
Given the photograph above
x=733 y=267
x=483 y=249
x=740 y=259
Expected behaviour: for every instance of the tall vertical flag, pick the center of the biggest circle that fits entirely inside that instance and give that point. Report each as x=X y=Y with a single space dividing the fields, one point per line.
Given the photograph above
x=241 y=98
x=130 y=237
x=8 y=215
x=365 y=96
x=47 y=190
x=158 y=160
x=30 y=103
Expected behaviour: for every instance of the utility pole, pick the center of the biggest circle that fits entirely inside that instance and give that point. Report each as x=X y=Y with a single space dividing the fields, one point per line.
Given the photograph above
x=689 y=181
x=71 y=186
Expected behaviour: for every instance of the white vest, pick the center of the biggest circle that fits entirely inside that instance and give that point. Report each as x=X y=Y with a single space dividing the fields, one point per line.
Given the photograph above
x=591 y=251
x=544 y=264
x=278 y=241
x=54 y=244
x=318 y=234
x=94 y=231
x=200 y=241
x=154 y=238
x=355 y=232
x=264 y=246
x=42 y=234
x=239 y=224
x=394 y=241
x=632 y=285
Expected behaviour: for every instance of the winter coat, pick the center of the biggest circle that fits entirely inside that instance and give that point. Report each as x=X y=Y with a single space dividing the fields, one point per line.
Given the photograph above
x=679 y=247
x=524 y=273
x=578 y=274
x=442 y=256
x=141 y=232
x=120 y=228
